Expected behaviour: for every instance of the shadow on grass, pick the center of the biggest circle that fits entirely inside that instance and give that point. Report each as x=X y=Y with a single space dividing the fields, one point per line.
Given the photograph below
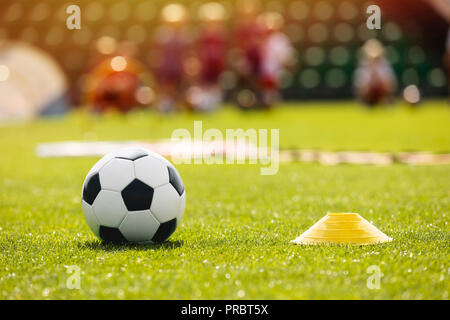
x=105 y=246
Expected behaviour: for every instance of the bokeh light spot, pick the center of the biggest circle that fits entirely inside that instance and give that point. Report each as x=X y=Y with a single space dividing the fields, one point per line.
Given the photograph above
x=309 y=78
x=106 y=45
x=411 y=94
x=118 y=63
x=4 y=73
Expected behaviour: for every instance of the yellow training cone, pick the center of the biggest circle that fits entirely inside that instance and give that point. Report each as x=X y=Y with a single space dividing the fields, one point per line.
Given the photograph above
x=342 y=228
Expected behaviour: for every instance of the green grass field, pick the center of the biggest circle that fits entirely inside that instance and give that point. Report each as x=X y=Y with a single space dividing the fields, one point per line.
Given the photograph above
x=234 y=239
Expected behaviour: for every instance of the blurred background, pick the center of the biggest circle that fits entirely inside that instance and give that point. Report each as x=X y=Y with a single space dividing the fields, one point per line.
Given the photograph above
x=130 y=52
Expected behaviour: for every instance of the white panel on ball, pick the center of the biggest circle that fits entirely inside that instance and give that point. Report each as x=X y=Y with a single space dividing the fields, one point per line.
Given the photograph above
x=99 y=164
x=116 y=174
x=160 y=157
x=166 y=203
x=90 y=217
x=109 y=208
x=151 y=171
x=139 y=226
x=125 y=152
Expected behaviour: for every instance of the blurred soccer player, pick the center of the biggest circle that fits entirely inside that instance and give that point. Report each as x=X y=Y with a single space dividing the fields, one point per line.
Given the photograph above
x=211 y=49
x=374 y=78
x=171 y=45
x=247 y=56
x=116 y=82
x=276 y=53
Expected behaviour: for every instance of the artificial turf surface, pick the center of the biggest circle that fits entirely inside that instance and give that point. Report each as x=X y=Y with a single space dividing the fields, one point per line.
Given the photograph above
x=234 y=239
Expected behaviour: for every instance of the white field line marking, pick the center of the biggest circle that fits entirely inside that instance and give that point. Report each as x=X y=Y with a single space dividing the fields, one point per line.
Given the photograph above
x=360 y=157
x=165 y=147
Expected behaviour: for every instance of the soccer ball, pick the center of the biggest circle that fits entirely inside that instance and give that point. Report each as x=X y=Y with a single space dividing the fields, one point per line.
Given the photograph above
x=133 y=195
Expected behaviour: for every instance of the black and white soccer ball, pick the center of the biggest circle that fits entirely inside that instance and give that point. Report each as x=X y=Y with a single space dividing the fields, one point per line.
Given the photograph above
x=133 y=195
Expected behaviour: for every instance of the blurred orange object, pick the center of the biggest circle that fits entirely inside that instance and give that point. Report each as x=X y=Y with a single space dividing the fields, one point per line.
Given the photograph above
x=119 y=83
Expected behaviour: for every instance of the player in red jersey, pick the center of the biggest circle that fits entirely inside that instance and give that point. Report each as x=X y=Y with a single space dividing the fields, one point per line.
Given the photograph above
x=275 y=56
x=171 y=46
x=247 y=56
x=211 y=49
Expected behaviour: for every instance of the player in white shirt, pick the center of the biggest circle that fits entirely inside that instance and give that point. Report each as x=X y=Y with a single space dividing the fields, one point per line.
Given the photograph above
x=374 y=79
x=276 y=54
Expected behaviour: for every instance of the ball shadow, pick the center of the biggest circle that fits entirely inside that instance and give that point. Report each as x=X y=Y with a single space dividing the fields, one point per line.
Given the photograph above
x=107 y=246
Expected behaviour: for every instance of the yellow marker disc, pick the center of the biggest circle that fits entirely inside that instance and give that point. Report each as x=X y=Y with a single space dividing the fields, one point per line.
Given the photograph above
x=342 y=228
